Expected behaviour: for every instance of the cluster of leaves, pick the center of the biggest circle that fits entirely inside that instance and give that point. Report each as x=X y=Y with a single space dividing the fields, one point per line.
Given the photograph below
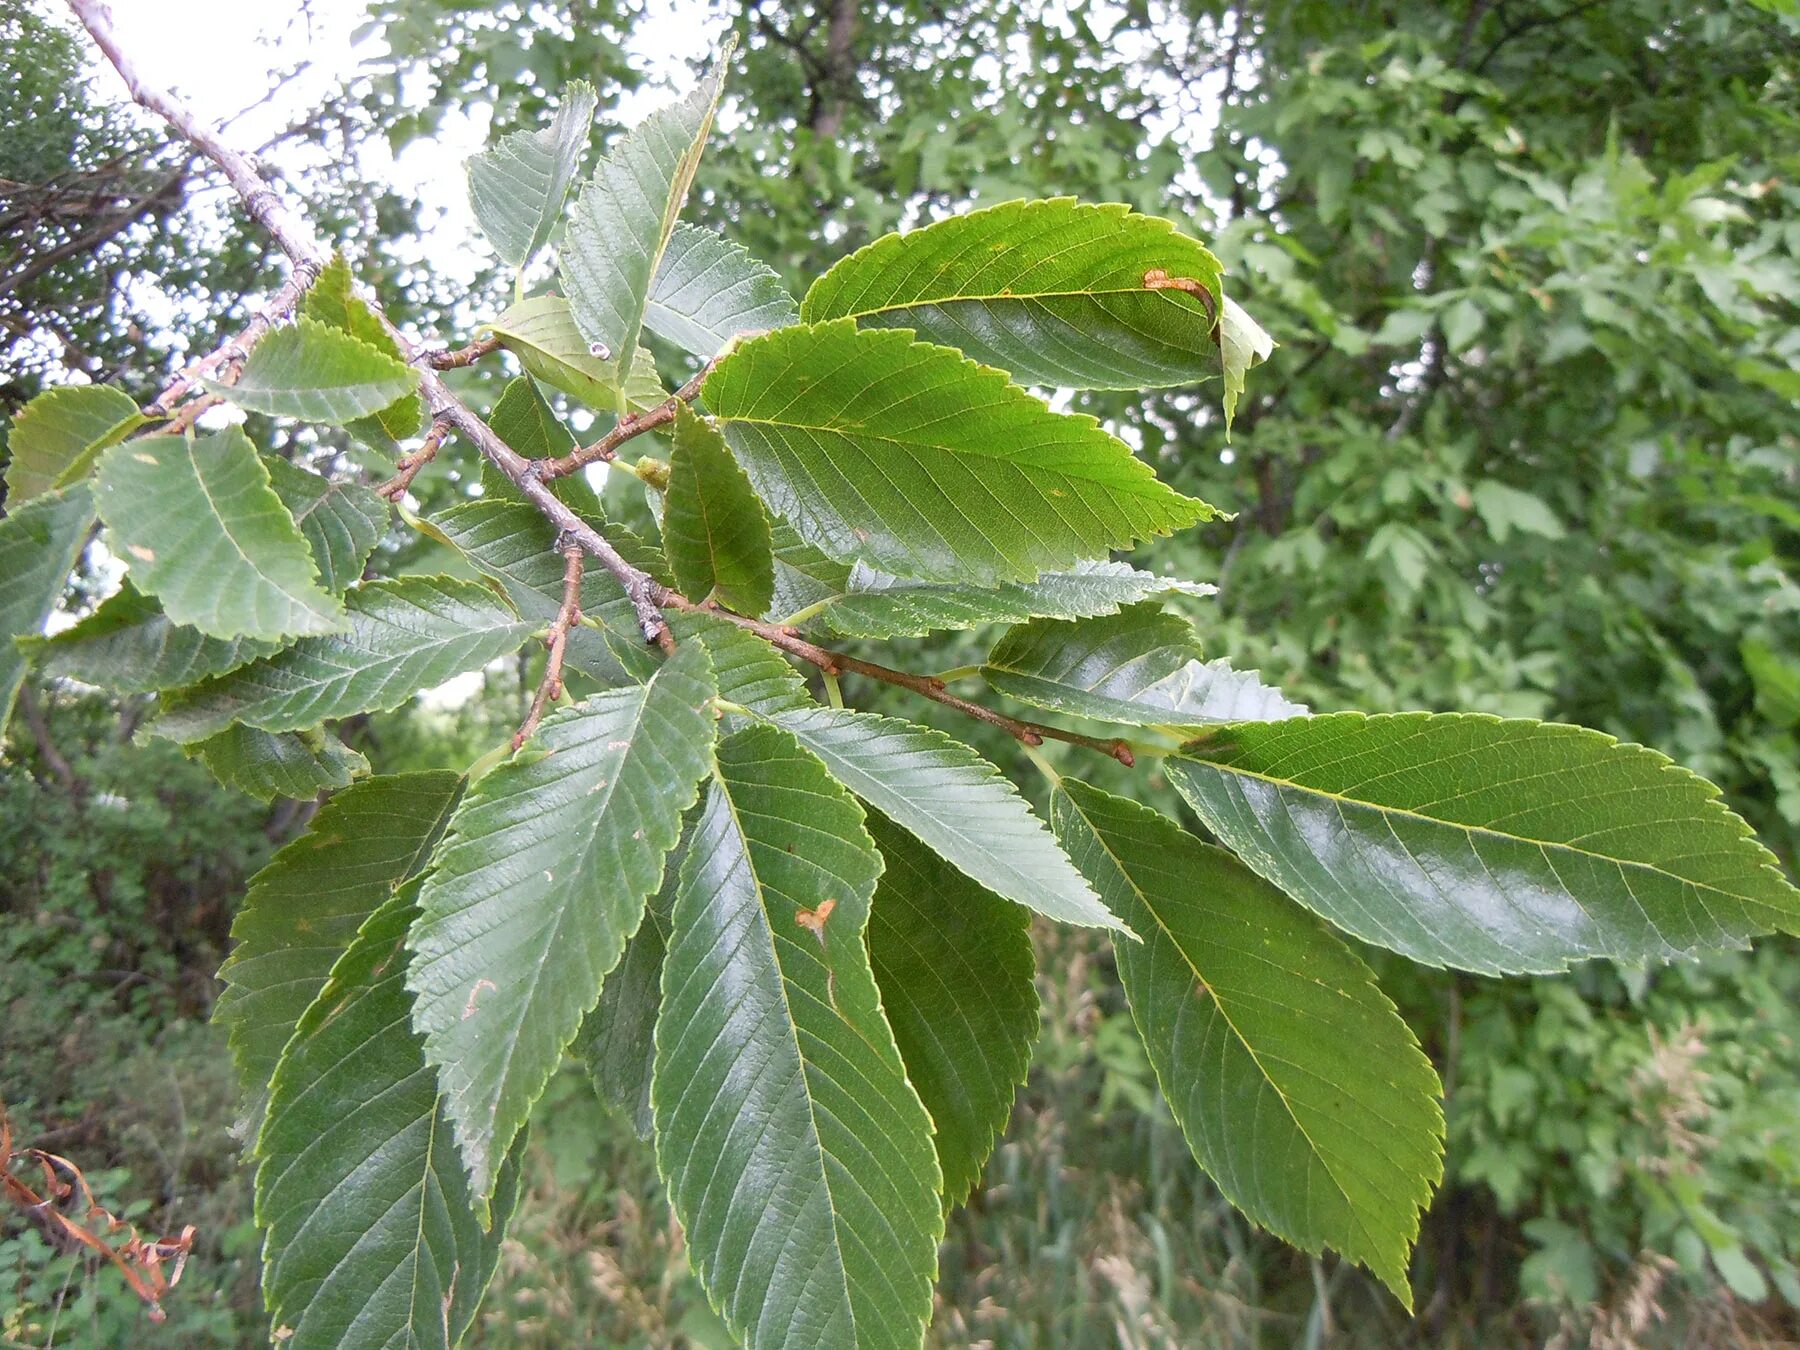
x=790 y=937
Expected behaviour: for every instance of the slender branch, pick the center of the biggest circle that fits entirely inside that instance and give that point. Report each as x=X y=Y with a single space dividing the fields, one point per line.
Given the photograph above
x=308 y=256
x=928 y=686
x=648 y=596
x=628 y=426
x=568 y=614
x=462 y=356
x=408 y=468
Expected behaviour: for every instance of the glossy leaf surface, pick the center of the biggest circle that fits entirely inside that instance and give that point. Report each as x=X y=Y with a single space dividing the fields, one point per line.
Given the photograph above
x=1487 y=844
x=1052 y=291
x=915 y=460
x=797 y=1155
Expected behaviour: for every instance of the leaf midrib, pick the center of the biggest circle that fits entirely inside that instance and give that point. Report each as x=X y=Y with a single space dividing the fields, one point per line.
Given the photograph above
x=766 y=929
x=1485 y=831
x=1287 y=1105
x=1018 y=297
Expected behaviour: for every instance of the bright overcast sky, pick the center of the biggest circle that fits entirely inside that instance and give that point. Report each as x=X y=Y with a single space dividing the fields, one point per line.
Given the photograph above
x=222 y=56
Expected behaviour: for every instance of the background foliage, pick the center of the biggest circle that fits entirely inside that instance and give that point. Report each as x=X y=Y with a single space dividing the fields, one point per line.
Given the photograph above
x=1527 y=447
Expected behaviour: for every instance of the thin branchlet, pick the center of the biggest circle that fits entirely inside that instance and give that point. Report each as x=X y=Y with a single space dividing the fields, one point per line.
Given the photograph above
x=575 y=536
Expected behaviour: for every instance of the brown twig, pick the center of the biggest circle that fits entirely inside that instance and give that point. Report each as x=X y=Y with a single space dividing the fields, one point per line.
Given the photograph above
x=928 y=686
x=628 y=426
x=462 y=356
x=648 y=597
x=308 y=256
x=408 y=468
x=567 y=616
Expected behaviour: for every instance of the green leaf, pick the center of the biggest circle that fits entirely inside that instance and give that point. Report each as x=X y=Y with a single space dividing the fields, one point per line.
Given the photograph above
x=540 y=882
x=856 y=600
x=371 y=1232
x=531 y=427
x=129 y=646
x=1052 y=291
x=1140 y=667
x=333 y=301
x=55 y=437
x=39 y=544
x=270 y=764
x=1297 y=1085
x=541 y=332
x=1487 y=844
x=405 y=634
x=954 y=964
x=1242 y=344
x=305 y=906
x=918 y=461
x=515 y=545
x=708 y=291
x=517 y=187
x=798 y=1158
x=714 y=529
x=206 y=534
x=617 y=1040
x=955 y=802
x=620 y=225
x=316 y=373
x=1505 y=509
x=342 y=522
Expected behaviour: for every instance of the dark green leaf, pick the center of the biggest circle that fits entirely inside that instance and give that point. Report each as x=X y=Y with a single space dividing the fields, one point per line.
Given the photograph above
x=128 y=646
x=1140 y=667
x=954 y=964
x=371 y=1232
x=714 y=529
x=708 y=291
x=540 y=882
x=342 y=522
x=270 y=764
x=916 y=460
x=517 y=187
x=39 y=543
x=305 y=906
x=206 y=534
x=1052 y=291
x=1297 y=1085
x=798 y=1157
x=954 y=801
x=404 y=635
x=617 y=1040
x=1487 y=844
x=317 y=373
x=55 y=437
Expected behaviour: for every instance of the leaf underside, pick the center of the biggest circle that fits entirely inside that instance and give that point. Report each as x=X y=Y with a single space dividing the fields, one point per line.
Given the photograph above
x=39 y=544
x=1139 y=667
x=404 y=634
x=55 y=437
x=708 y=291
x=270 y=764
x=714 y=529
x=317 y=373
x=517 y=187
